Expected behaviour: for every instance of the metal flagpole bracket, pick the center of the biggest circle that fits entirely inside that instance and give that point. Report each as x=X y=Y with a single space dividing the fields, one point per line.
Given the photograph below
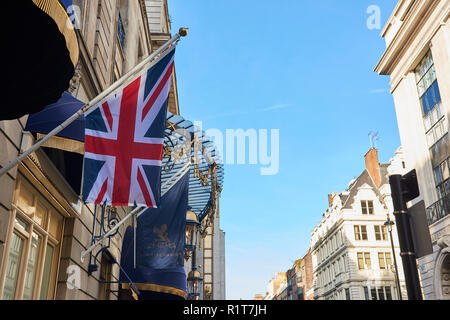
x=111 y=231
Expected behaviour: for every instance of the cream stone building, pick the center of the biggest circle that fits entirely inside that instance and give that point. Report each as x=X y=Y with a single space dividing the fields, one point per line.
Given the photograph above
x=274 y=285
x=351 y=252
x=417 y=59
x=43 y=226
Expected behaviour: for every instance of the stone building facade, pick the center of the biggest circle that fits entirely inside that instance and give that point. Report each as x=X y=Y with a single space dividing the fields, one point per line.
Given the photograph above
x=350 y=247
x=417 y=59
x=43 y=225
x=274 y=285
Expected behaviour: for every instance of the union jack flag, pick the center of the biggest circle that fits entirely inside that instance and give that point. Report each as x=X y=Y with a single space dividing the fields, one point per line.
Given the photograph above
x=124 y=141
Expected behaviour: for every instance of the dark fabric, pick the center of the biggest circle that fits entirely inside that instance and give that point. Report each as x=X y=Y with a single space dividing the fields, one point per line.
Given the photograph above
x=37 y=66
x=160 y=250
x=55 y=114
x=161 y=231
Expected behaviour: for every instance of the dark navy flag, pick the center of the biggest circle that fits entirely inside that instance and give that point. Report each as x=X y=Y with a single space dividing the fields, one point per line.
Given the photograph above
x=160 y=246
x=161 y=231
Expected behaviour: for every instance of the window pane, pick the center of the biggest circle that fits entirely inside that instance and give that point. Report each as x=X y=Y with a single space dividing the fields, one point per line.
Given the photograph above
x=370 y=207
x=388 y=259
x=357 y=235
x=22 y=223
x=383 y=228
x=347 y=294
x=30 y=274
x=381 y=293
x=444 y=170
x=367 y=260
x=360 y=261
x=366 y=293
x=377 y=233
x=364 y=207
x=363 y=233
x=12 y=270
x=373 y=293
x=388 y=293
x=46 y=273
x=381 y=260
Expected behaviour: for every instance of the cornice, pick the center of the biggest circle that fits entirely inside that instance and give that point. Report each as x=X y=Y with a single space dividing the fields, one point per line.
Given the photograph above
x=416 y=17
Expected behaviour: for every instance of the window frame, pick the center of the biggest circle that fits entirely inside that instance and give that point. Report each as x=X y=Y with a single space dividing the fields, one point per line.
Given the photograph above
x=366 y=260
x=381 y=234
x=46 y=238
x=368 y=207
x=359 y=233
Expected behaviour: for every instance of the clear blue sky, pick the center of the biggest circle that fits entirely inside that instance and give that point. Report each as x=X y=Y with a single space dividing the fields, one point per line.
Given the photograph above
x=316 y=59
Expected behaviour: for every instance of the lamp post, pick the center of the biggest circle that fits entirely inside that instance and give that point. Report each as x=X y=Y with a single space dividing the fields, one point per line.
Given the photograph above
x=192 y=230
x=193 y=281
x=194 y=278
x=388 y=224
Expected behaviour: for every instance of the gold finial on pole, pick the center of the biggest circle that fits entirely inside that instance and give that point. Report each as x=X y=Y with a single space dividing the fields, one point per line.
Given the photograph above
x=183 y=32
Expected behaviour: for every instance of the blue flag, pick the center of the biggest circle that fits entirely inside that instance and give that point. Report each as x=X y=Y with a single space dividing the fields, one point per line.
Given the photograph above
x=160 y=245
x=161 y=231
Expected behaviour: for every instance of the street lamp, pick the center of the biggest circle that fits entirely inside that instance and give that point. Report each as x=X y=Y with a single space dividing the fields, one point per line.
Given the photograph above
x=388 y=224
x=194 y=281
x=192 y=230
x=194 y=278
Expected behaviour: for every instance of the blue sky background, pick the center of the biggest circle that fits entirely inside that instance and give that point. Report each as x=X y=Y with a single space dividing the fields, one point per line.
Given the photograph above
x=312 y=61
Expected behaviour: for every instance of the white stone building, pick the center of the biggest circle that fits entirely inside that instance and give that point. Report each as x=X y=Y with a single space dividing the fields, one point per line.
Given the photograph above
x=351 y=250
x=417 y=59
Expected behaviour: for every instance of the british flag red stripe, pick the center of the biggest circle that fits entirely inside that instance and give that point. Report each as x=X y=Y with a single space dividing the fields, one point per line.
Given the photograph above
x=124 y=141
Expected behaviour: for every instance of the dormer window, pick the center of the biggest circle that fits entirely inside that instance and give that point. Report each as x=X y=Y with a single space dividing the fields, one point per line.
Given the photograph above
x=367 y=206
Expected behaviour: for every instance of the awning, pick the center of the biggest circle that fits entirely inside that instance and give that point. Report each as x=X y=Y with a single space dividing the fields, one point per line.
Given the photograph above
x=201 y=196
x=42 y=52
x=70 y=138
x=55 y=114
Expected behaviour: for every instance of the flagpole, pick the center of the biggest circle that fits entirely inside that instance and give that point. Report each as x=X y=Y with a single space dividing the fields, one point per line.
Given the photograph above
x=181 y=33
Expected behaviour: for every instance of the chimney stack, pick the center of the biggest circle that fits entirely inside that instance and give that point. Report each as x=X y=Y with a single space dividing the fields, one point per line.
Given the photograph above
x=330 y=200
x=373 y=166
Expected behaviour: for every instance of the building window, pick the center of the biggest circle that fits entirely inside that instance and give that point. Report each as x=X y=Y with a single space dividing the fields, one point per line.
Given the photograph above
x=367 y=206
x=364 y=260
x=360 y=232
x=32 y=259
x=378 y=293
x=388 y=293
x=300 y=295
x=430 y=100
x=299 y=276
x=380 y=233
x=441 y=175
x=347 y=294
x=366 y=293
x=384 y=260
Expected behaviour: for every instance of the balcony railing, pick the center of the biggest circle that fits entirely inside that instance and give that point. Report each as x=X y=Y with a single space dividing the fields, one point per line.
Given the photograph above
x=438 y=210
